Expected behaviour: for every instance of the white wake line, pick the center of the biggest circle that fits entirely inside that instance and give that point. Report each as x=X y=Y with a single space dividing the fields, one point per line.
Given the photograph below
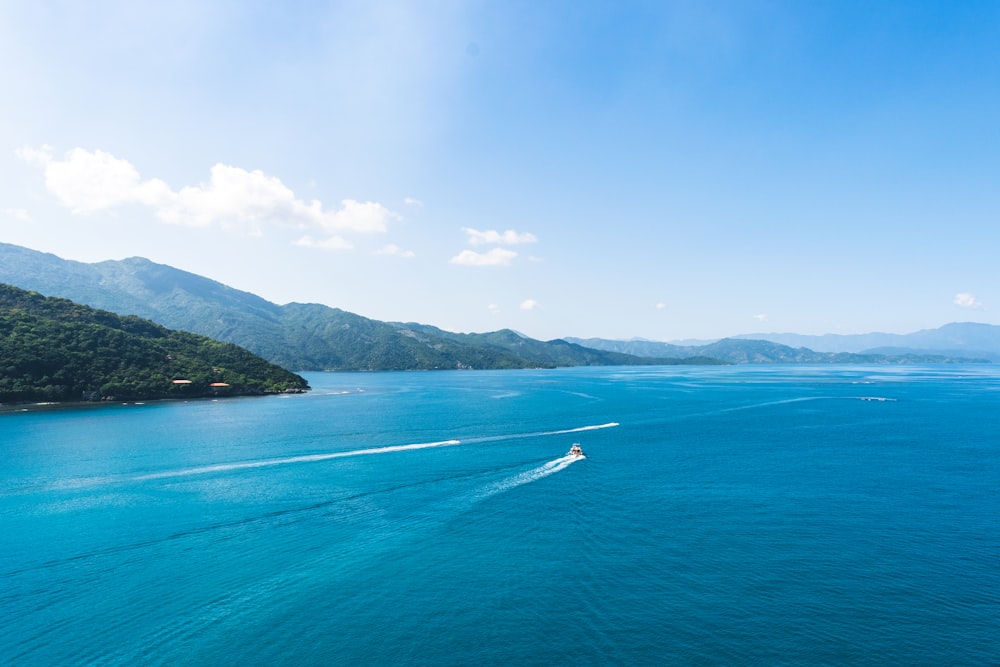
x=781 y=402
x=306 y=458
x=532 y=475
x=583 y=428
x=310 y=458
x=539 y=434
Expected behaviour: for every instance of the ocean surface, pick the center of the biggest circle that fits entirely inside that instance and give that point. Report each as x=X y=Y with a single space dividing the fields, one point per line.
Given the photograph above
x=722 y=515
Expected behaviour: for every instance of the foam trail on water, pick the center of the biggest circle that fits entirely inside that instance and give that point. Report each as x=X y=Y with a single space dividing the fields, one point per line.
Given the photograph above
x=529 y=476
x=305 y=458
x=539 y=434
x=770 y=403
x=308 y=458
x=587 y=428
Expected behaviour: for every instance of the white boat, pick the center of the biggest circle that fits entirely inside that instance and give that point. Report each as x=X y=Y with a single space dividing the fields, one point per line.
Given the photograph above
x=575 y=450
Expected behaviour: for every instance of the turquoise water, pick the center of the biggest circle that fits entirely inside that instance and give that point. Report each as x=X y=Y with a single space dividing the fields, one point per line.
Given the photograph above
x=734 y=515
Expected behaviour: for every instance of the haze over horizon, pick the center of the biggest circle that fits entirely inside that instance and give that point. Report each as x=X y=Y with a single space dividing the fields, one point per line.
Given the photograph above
x=667 y=171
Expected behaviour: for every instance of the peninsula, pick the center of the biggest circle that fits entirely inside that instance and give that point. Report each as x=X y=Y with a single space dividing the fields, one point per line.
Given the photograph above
x=55 y=350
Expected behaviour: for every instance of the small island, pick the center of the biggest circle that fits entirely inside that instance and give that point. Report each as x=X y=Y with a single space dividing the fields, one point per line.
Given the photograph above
x=54 y=351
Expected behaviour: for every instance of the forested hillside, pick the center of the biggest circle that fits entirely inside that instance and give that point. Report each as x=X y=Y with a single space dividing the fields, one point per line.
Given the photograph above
x=56 y=350
x=301 y=336
x=554 y=352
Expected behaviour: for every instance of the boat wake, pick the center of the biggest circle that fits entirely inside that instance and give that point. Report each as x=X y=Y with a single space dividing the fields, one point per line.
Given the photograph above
x=305 y=458
x=235 y=466
x=786 y=401
x=528 y=476
x=540 y=434
x=310 y=458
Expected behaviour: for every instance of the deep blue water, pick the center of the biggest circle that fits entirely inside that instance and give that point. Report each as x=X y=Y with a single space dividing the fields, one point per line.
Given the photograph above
x=736 y=515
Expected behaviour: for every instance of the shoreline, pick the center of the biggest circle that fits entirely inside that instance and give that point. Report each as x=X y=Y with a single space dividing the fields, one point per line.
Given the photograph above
x=52 y=406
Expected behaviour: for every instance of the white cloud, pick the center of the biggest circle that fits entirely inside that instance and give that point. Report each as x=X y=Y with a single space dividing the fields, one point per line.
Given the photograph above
x=410 y=201
x=331 y=243
x=19 y=214
x=509 y=237
x=235 y=197
x=395 y=250
x=761 y=317
x=87 y=182
x=530 y=304
x=966 y=300
x=361 y=217
x=493 y=308
x=661 y=306
x=40 y=157
x=495 y=257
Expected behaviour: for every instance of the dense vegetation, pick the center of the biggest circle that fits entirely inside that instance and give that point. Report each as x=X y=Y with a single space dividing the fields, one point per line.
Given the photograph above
x=297 y=335
x=330 y=338
x=317 y=337
x=551 y=353
x=56 y=350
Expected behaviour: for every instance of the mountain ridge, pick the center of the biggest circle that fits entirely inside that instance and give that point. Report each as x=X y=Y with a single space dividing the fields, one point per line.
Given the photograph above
x=295 y=335
x=752 y=350
x=318 y=337
x=968 y=338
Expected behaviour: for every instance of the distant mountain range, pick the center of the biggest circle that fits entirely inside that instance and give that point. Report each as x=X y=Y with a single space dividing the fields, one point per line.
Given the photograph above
x=959 y=342
x=957 y=339
x=317 y=337
x=297 y=336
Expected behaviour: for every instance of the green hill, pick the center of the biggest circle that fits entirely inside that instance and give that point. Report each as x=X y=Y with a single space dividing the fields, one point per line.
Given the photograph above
x=302 y=336
x=556 y=352
x=55 y=350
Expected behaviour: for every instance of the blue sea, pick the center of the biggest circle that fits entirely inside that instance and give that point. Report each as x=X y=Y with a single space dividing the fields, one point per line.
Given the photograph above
x=722 y=515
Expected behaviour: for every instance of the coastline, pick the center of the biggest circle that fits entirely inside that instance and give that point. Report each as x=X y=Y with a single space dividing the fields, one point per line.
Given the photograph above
x=47 y=406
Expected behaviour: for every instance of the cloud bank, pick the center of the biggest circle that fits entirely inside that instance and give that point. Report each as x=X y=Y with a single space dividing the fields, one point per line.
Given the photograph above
x=966 y=300
x=530 y=304
x=90 y=181
x=495 y=257
x=395 y=251
x=19 y=214
x=491 y=236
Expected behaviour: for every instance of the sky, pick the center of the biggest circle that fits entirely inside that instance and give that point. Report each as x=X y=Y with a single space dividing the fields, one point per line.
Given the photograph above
x=663 y=170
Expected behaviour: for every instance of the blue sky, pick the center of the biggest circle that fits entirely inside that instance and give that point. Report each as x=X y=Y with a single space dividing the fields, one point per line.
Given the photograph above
x=666 y=170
